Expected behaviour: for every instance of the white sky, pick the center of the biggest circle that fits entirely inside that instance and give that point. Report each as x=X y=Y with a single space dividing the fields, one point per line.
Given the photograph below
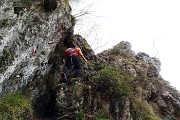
x=151 y=26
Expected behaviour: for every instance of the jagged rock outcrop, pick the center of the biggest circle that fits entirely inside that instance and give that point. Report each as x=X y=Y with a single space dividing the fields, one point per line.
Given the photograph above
x=116 y=84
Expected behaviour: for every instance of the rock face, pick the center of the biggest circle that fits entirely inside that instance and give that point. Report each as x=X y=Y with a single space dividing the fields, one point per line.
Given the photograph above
x=116 y=84
x=28 y=35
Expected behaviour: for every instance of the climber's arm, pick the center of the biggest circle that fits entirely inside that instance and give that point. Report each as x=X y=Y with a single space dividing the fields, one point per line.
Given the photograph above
x=81 y=54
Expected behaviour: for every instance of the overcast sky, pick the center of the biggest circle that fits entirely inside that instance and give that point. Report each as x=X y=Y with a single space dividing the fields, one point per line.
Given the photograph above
x=151 y=26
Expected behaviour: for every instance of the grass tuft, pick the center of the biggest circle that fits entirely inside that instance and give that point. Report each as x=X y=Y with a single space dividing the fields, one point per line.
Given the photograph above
x=15 y=106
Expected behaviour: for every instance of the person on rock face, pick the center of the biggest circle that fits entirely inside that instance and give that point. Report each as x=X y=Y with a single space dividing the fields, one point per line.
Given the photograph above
x=72 y=60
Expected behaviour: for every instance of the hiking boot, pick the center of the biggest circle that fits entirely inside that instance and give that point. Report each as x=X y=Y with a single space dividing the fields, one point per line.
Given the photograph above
x=77 y=73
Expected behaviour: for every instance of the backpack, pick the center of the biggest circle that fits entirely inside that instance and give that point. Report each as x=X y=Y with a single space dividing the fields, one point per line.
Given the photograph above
x=69 y=51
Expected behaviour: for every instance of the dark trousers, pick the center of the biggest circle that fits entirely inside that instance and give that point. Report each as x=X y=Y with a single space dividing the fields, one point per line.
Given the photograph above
x=72 y=62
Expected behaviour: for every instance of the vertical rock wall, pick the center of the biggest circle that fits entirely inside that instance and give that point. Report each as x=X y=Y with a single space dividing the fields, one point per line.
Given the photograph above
x=28 y=34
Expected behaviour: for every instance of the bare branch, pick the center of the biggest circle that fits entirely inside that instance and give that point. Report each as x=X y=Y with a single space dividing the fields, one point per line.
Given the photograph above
x=154 y=45
x=101 y=45
x=84 y=10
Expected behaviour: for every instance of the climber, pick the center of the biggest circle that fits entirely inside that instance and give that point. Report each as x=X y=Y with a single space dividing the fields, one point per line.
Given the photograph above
x=72 y=60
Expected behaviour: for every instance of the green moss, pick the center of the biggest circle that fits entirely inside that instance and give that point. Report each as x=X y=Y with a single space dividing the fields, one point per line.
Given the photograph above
x=15 y=107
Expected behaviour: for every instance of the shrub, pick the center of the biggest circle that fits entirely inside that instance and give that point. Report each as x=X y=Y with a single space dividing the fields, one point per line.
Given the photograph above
x=112 y=82
x=15 y=107
x=141 y=110
x=109 y=72
x=124 y=90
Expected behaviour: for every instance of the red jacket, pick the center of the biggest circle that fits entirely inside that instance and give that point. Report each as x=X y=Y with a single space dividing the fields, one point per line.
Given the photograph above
x=71 y=51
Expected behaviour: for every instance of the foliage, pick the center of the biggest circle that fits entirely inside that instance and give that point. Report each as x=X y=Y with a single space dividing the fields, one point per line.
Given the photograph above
x=124 y=90
x=111 y=82
x=142 y=110
x=101 y=116
x=109 y=72
x=15 y=107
